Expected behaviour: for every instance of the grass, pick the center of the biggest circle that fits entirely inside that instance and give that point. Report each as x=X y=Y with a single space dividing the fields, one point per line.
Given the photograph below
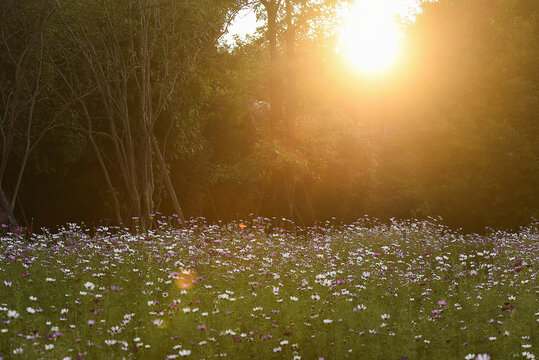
x=404 y=290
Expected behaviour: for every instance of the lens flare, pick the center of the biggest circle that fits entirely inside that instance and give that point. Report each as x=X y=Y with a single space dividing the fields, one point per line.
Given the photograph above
x=185 y=279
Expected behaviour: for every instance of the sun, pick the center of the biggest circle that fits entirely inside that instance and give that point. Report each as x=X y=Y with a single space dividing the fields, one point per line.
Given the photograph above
x=371 y=40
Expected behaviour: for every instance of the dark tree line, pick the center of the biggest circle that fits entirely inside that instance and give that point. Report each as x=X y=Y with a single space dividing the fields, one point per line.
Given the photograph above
x=121 y=110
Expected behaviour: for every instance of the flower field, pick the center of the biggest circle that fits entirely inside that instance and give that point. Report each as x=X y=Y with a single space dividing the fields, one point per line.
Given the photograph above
x=404 y=290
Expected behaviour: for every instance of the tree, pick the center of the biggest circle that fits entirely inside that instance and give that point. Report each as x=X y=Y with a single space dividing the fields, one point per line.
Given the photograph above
x=27 y=108
x=137 y=60
x=473 y=132
x=284 y=19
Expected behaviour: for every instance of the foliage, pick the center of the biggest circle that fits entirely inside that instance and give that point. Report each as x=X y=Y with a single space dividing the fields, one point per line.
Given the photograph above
x=472 y=140
x=452 y=132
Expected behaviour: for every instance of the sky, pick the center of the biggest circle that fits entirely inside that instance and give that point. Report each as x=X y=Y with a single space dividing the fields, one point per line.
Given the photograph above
x=244 y=24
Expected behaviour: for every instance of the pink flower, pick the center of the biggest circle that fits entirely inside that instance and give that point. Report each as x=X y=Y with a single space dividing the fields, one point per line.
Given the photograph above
x=442 y=303
x=436 y=312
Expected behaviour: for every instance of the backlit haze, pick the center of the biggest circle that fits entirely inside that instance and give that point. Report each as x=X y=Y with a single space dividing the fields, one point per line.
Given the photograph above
x=370 y=38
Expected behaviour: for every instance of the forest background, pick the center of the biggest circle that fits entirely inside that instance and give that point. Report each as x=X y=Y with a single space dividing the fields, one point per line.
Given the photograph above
x=113 y=111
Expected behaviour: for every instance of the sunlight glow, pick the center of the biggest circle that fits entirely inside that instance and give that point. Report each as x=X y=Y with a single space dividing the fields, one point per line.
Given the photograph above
x=185 y=279
x=371 y=37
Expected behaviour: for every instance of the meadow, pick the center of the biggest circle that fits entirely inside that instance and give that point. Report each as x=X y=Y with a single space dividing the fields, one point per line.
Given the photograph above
x=367 y=290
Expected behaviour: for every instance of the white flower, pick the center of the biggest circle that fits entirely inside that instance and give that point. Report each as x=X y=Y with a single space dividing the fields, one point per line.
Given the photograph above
x=18 y=351
x=50 y=280
x=30 y=310
x=528 y=355
x=64 y=311
x=49 y=346
x=293 y=298
x=185 y=352
x=483 y=357
x=89 y=285
x=328 y=321
x=284 y=342
x=277 y=349
x=385 y=316
x=315 y=297
x=33 y=298
x=12 y=314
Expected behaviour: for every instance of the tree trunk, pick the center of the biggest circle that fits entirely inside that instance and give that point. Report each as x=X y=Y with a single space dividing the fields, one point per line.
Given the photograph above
x=291 y=70
x=275 y=98
x=291 y=107
x=168 y=182
x=7 y=208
